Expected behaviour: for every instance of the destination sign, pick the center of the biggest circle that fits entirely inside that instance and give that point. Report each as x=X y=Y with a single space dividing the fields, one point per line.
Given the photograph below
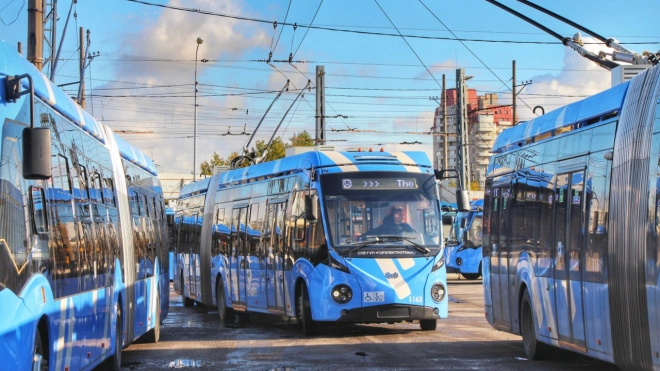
x=378 y=183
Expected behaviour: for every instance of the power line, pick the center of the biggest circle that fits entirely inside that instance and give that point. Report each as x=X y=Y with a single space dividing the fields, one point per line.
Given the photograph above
x=206 y=12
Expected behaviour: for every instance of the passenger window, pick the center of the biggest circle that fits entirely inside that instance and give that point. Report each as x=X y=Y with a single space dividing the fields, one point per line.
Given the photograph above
x=39 y=211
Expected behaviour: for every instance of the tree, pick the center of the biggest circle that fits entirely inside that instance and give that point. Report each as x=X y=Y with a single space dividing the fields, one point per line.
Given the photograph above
x=276 y=151
x=302 y=140
x=208 y=167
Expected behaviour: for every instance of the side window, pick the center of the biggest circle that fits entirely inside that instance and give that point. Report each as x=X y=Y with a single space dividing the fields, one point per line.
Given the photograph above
x=133 y=199
x=143 y=206
x=60 y=174
x=82 y=182
x=39 y=216
x=220 y=233
x=96 y=187
x=109 y=192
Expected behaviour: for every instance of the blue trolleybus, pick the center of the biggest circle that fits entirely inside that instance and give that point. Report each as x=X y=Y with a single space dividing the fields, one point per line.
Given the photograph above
x=83 y=268
x=464 y=244
x=572 y=228
x=321 y=236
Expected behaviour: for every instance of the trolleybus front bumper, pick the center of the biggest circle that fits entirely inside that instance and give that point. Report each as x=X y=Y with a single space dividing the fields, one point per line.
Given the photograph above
x=388 y=313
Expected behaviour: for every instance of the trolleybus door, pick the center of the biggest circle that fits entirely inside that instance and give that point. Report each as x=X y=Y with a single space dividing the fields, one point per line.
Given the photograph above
x=255 y=259
x=275 y=249
x=499 y=277
x=569 y=215
x=195 y=278
x=238 y=264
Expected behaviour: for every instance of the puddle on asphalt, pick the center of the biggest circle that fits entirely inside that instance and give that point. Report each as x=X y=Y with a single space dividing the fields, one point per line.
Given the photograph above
x=185 y=363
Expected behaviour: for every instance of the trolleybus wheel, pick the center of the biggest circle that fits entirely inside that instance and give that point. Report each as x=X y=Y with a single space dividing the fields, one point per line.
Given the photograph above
x=187 y=302
x=471 y=276
x=154 y=334
x=309 y=326
x=39 y=358
x=428 y=324
x=225 y=315
x=534 y=349
x=114 y=362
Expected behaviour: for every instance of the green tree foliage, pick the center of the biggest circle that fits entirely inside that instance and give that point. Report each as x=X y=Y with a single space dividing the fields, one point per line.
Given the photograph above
x=302 y=140
x=276 y=151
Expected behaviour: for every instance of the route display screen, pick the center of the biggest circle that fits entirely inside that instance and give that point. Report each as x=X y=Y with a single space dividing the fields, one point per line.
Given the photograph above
x=366 y=184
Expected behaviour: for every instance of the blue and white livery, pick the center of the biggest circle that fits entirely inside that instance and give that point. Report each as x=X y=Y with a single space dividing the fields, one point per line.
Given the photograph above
x=83 y=262
x=571 y=242
x=311 y=237
x=464 y=253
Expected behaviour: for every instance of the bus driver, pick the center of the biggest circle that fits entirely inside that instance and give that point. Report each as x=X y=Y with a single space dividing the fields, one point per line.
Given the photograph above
x=393 y=224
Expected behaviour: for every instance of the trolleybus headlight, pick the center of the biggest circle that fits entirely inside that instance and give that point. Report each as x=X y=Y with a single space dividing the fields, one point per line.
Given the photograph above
x=459 y=261
x=342 y=294
x=438 y=292
x=439 y=263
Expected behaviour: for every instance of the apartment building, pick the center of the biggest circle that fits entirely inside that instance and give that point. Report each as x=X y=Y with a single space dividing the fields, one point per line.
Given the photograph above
x=486 y=119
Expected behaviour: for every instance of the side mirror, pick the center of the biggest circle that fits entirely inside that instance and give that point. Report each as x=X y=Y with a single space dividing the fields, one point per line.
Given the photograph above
x=36 y=153
x=310 y=208
x=462 y=201
x=36 y=141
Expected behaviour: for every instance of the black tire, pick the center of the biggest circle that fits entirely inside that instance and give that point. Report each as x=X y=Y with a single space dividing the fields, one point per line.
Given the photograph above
x=154 y=334
x=309 y=326
x=472 y=276
x=114 y=362
x=534 y=349
x=187 y=302
x=226 y=315
x=39 y=354
x=428 y=324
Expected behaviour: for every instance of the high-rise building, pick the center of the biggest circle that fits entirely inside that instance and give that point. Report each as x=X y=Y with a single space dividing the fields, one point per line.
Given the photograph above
x=486 y=119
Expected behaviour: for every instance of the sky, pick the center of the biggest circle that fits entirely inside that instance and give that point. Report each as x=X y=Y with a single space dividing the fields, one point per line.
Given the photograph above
x=383 y=61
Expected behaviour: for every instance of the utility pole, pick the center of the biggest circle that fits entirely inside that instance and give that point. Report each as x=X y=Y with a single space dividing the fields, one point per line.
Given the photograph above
x=445 y=139
x=513 y=92
x=461 y=126
x=320 y=105
x=35 y=53
x=81 y=87
x=50 y=32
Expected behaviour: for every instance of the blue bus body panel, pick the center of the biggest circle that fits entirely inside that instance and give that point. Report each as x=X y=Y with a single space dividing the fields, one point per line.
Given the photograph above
x=331 y=162
x=80 y=323
x=608 y=101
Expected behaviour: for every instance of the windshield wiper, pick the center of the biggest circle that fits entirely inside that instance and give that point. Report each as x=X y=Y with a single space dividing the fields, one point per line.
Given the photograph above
x=359 y=245
x=375 y=240
x=417 y=246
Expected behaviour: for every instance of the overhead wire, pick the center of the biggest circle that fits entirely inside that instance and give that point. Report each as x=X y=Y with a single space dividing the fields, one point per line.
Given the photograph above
x=308 y=28
x=205 y=12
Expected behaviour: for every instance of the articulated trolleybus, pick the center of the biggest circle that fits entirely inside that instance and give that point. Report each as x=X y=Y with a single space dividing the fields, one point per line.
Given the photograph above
x=82 y=232
x=321 y=236
x=571 y=254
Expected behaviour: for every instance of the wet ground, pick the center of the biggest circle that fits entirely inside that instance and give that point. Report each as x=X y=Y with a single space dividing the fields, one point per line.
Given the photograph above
x=191 y=339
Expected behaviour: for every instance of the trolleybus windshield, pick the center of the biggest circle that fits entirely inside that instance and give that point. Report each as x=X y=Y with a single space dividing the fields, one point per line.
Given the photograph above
x=367 y=208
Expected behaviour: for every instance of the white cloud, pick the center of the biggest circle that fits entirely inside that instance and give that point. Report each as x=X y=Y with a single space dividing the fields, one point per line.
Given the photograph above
x=172 y=36
x=578 y=79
